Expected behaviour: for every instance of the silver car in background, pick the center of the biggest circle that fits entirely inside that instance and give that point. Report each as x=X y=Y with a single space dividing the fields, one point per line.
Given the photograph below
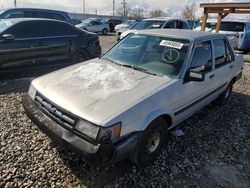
x=158 y=23
x=94 y=25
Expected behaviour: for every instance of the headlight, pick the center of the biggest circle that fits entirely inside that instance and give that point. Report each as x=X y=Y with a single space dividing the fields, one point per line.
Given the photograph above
x=87 y=128
x=32 y=91
x=100 y=133
x=111 y=132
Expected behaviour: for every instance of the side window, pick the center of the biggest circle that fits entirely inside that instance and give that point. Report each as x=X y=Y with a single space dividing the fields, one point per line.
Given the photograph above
x=26 y=30
x=202 y=57
x=96 y=23
x=169 y=25
x=185 y=25
x=58 y=16
x=230 y=55
x=53 y=28
x=220 y=53
x=14 y=14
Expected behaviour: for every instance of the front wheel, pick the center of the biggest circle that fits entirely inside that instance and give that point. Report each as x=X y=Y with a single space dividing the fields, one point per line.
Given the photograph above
x=104 y=31
x=150 y=143
x=223 y=98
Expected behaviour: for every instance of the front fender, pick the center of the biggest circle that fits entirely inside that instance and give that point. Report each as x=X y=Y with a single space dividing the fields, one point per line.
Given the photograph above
x=152 y=116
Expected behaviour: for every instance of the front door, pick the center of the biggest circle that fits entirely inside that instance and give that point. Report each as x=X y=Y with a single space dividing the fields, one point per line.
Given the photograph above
x=23 y=49
x=192 y=95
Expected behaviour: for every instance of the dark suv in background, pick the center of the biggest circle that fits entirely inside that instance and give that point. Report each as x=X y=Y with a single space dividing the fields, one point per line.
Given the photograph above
x=36 y=13
x=113 y=22
x=31 y=43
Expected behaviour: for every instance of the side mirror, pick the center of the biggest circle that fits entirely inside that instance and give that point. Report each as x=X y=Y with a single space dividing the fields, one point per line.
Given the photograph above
x=195 y=74
x=8 y=37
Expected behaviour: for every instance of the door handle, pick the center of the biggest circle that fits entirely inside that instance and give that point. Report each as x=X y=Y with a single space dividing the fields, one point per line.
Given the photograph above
x=211 y=76
x=231 y=66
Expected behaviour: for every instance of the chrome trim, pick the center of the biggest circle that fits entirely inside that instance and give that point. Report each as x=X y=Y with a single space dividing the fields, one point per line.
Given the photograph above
x=54 y=111
x=52 y=37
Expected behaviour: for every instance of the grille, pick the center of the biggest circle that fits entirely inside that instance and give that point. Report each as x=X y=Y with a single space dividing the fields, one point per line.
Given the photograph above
x=55 y=111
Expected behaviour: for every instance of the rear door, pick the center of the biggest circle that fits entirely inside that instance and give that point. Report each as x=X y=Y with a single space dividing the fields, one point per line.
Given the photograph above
x=224 y=63
x=25 y=49
x=58 y=40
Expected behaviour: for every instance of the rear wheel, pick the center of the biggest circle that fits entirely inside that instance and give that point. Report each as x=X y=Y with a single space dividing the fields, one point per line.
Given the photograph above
x=104 y=31
x=80 y=56
x=223 y=98
x=150 y=143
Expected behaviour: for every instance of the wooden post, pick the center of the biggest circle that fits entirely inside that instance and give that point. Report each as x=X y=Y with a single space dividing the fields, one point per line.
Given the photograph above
x=218 y=23
x=204 y=21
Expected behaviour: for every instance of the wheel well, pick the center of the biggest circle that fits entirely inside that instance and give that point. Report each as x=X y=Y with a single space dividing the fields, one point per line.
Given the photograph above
x=233 y=80
x=167 y=118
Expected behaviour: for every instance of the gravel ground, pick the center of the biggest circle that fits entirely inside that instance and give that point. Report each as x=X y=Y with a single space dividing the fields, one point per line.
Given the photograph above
x=214 y=151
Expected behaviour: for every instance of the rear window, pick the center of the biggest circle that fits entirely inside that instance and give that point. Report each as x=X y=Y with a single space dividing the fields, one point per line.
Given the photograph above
x=149 y=24
x=232 y=26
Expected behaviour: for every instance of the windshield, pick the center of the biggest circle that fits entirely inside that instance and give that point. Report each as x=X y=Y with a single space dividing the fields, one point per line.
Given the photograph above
x=162 y=56
x=232 y=26
x=149 y=24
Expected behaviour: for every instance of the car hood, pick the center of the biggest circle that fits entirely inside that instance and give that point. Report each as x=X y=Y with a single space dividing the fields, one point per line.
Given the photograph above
x=98 y=90
x=125 y=33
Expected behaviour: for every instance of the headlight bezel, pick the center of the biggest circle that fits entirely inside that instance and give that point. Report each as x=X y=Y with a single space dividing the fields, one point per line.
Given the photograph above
x=98 y=133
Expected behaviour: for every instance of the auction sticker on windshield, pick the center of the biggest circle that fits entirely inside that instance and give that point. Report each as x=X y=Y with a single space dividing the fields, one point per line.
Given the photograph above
x=171 y=44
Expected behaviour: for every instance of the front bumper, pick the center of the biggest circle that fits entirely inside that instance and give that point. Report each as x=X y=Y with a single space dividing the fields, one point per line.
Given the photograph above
x=94 y=153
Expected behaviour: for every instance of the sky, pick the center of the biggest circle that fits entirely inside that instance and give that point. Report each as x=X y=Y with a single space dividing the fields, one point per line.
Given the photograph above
x=105 y=6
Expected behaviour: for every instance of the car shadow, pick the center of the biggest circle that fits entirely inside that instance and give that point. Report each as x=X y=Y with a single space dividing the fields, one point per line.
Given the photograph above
x=18 y=82
x=206 y=133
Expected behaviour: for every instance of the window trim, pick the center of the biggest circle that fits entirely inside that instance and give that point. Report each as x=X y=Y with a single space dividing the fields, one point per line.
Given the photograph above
x=226 y=42
x=193 y=52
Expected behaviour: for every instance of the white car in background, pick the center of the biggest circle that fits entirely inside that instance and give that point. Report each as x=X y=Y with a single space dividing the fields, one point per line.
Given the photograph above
x=158 y=23
x=94 y=25
x=119 y=29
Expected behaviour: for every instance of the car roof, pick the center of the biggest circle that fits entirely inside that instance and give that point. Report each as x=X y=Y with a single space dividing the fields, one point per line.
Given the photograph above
x=236 y=21
x=18 y=20
x=164 y=18
x=180 y=33
x=37 y=9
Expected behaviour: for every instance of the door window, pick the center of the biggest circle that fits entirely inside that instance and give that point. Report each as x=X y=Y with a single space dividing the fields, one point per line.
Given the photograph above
x=26 y=30
x=202 y=57
x=55 y=28
x=14 y=14
x=181 y=25
x=220 y=53
x=169 y=25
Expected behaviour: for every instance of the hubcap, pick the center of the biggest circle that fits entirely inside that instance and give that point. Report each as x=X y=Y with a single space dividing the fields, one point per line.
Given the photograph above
x=153 y=142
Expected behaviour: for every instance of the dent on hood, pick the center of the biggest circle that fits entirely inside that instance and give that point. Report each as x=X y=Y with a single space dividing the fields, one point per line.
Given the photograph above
x=102 y=79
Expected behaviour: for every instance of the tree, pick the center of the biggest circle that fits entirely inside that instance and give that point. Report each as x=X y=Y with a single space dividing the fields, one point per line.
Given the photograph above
x=159 y=13
x=189 y=12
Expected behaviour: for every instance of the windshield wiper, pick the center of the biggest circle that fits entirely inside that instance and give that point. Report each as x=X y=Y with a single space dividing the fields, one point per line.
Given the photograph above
x=131 y=66
x=137 y=68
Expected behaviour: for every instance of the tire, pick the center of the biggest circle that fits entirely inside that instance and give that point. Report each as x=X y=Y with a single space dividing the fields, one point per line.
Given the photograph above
x=151 y=142
x=104 y=31
x=223 y=98
x=80 y=56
